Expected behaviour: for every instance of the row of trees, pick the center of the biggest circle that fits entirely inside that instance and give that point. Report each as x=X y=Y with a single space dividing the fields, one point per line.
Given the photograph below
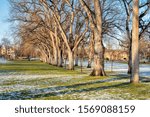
x=58 y=29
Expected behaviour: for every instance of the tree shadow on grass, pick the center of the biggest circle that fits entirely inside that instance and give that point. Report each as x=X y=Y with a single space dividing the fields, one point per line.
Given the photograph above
x=60 y=90
x=145 y=79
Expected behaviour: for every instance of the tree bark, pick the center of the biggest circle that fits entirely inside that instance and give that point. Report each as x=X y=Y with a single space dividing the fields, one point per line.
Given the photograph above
x=130 y=58
x=76 y=57
x=55 y=56
x=129 y=35
x=91 y=51
x=96 y=27
x=98 y=69
x=135 y=43
x=71 y=60
x=60 y=61
x=89 y=63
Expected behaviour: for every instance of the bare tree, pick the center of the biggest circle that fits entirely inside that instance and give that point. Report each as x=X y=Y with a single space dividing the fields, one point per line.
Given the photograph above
x=96 y=27
x=144 y=23
x=71 y=38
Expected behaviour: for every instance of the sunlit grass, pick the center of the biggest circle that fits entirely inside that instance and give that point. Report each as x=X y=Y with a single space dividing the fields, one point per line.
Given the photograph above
x=32 y=67
x=37 y=80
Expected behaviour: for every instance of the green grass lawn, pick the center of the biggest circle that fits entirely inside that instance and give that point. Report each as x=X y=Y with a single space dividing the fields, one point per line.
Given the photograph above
x=37 y=80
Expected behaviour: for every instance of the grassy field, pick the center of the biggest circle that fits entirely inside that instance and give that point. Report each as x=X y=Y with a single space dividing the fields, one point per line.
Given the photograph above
x=36 y=80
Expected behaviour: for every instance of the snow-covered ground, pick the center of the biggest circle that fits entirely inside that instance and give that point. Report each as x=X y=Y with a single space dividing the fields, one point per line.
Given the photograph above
x=18 y=85
x=123 y=67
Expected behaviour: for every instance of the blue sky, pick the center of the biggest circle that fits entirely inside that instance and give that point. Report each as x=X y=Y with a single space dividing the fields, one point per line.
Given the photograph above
x=4 y=15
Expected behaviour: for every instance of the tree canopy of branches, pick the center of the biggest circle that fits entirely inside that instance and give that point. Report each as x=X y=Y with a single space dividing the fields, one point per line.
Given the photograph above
x=59 y=28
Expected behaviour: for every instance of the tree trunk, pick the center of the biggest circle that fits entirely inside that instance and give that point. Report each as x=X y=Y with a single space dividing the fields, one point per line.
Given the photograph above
x=81 y=64
x=98 y=69
x=76 y=60
x=71 y=60
x=129 y=35
x=55 y=56
x=90 y=57
x=91 y=51
x=130 y=58
x=76 y=57
x=55 y=52
x=89 y=63
x=135 y=43
x=95 y=23
x=43 y=56
x=60 y=61
x=98 y=47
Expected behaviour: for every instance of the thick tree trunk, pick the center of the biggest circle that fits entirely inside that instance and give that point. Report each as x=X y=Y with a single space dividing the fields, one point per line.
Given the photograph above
x=70 y=60
x=60 y=61
x=55 y=62
x=98 y=69
x=55 y=51
x=135 y=43
x=98 y=47
x=96 y=27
